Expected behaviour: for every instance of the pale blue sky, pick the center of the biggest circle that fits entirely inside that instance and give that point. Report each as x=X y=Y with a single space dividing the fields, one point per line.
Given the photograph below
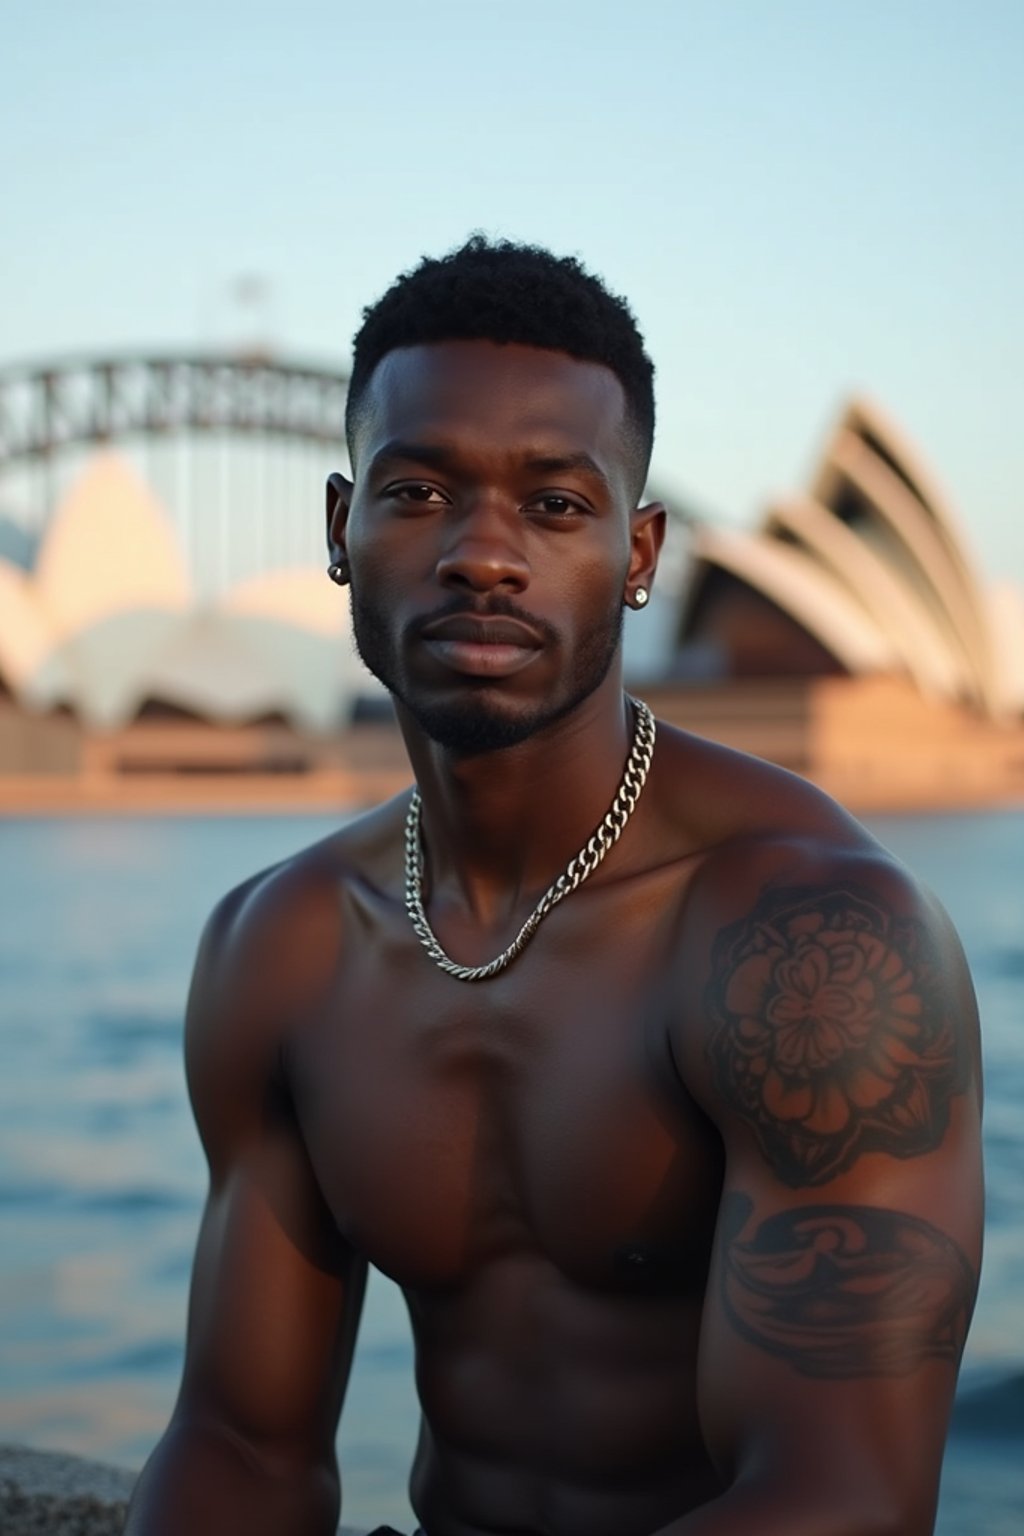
x=797 y=196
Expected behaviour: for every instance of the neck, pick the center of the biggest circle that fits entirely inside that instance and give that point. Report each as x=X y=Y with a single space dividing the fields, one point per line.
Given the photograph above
x=499 y=827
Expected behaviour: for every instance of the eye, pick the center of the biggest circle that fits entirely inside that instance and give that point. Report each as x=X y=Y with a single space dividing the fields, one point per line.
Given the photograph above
x=418 y=493
x=556 y=506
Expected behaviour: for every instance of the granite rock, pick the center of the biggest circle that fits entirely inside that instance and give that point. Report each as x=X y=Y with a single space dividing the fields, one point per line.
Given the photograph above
x=50 y=1493
x=47 y=1493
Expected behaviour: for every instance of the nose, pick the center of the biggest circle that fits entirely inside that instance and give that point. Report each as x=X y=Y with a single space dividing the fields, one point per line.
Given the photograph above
x=484 y=551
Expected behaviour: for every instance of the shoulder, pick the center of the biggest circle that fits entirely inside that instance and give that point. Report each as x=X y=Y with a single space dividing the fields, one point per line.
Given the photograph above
x=272 y=947
x=717 y=794
x=835 y=1014
x=829 y=1010
x=753 y=828
x=277 y=936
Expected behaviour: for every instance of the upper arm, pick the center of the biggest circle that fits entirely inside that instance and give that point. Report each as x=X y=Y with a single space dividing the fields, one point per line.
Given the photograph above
x=276 y=1292
x=834 y=1046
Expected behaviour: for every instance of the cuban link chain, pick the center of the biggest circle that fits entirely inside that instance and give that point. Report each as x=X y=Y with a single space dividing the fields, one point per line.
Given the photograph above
x=579 y=868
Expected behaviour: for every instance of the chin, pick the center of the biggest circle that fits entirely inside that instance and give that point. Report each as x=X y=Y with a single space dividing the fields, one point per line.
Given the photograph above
x=477 y=717
x=472 y=726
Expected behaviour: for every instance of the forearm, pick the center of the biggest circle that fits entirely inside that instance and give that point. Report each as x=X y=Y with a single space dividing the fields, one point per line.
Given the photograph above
x=202 y=1482
x=753 y=1508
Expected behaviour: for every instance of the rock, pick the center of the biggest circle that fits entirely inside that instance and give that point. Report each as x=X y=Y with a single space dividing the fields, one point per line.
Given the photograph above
x=49 y=1493
x=46 y=1493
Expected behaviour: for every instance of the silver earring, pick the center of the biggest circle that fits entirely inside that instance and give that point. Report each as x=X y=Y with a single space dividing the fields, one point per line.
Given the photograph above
x=337 y=573
x=640 y=597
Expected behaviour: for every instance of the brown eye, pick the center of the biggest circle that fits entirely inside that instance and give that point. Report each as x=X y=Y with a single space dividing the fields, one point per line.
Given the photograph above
x=423 y=495
x=555 y=506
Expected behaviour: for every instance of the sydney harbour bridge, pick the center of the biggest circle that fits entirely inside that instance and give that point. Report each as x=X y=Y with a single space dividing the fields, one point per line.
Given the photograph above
x=236 y=448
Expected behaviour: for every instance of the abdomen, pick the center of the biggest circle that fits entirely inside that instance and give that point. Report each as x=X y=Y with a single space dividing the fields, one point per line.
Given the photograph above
x=551 y=1407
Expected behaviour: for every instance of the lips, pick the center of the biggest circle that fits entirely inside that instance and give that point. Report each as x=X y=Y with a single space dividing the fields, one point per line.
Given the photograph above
x=466 y=627
x=481 y=647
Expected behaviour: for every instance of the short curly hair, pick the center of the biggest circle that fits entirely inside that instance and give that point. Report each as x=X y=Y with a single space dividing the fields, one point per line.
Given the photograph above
x=501 y=291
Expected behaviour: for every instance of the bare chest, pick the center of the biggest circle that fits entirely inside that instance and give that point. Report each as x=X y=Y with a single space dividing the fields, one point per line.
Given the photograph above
x=452 y=1125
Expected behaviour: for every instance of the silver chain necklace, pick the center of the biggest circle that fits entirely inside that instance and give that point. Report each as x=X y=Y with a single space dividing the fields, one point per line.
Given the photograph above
x=579 y=868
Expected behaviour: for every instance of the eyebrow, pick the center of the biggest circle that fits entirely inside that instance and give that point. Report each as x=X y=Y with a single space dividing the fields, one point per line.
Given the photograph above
x=559 y=463
x=434 y=454
x=439 y=456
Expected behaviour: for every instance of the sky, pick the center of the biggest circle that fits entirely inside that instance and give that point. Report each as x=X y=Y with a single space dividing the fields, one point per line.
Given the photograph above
x=798 y=199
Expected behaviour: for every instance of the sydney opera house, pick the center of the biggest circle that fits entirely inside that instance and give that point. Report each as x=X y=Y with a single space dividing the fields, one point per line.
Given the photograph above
x=849 y=636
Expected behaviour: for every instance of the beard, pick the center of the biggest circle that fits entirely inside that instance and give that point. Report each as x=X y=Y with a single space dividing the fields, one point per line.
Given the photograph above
x=477 y=722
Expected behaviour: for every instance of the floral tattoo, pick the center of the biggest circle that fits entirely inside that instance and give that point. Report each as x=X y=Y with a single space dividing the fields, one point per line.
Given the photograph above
x=833 y=1034
x=846 y=1290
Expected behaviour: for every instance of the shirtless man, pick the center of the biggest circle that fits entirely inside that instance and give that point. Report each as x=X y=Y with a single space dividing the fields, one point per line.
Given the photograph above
x=684 y=1193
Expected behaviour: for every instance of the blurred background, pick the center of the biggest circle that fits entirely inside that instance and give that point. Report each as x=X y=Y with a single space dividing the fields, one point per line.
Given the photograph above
x=817 y=214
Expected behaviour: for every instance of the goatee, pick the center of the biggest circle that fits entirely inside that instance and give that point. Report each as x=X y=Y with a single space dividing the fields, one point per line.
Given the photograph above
x=477 y=722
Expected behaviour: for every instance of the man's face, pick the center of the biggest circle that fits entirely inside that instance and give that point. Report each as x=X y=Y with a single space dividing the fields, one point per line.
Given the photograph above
x=489 y=535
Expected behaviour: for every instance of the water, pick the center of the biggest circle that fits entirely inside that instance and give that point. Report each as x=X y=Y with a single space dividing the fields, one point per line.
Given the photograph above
x=101 y=1177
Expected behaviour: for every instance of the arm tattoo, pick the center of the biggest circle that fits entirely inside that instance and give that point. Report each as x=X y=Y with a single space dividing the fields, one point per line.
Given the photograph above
x=846 y=1290
x=832 y=1032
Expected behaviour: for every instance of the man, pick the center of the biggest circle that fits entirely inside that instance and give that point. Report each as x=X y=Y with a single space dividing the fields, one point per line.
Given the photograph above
x=668 y=1131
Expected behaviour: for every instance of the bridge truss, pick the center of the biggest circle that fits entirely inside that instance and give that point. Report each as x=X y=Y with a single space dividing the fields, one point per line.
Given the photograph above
x=47 y=408
x=236 y=447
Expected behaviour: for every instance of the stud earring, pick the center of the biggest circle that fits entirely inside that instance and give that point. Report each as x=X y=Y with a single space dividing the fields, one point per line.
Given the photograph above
x=337 y=574
x=640 y=597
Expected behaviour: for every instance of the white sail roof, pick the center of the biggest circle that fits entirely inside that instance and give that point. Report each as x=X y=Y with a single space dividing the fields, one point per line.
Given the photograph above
x=303 y=596
x=893 y=605
x=110 y=548
x=28 y=664
x=876 y=526
x=805 y=590
x=110 y=582
x=208 y=666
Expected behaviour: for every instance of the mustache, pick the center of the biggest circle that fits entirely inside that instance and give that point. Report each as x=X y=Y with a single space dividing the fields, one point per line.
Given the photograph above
x=495 y=607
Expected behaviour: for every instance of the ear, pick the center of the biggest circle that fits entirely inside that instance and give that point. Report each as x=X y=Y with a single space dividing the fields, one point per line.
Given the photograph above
x=339 y=499
x=646 y=536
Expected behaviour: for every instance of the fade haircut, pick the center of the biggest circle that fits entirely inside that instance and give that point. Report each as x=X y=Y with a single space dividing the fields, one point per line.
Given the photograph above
x=497 y=290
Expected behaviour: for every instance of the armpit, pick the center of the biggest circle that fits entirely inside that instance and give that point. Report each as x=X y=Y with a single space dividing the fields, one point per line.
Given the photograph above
x=842 y=1291
x=832 y=1032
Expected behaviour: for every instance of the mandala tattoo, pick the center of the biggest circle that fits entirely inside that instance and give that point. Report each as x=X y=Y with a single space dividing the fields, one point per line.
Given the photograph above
x=846 y=1290
x=832 y=1032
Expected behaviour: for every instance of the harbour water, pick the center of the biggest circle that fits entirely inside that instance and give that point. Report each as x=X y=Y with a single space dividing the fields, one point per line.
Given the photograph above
x=101 y=1177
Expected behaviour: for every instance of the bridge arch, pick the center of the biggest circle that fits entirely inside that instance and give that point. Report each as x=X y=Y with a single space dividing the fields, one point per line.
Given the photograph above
x=235 y=447
x=47 y=407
